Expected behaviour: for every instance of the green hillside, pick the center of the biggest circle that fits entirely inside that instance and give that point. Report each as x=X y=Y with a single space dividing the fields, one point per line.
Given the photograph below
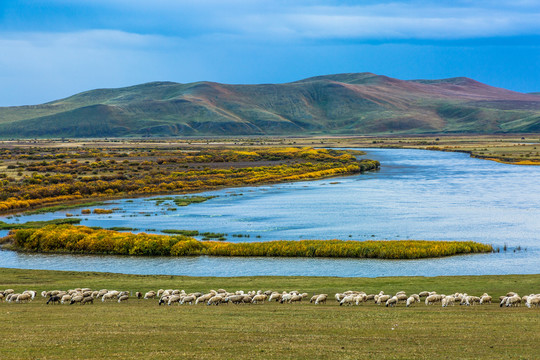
x=359 y=103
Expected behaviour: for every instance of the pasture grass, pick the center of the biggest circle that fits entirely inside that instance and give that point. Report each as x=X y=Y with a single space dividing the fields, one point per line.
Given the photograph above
x=141 y=328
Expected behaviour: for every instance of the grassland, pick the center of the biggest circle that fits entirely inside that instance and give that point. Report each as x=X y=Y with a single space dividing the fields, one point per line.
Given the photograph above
x=37 y=224
x=301 y=331
x=511 y=149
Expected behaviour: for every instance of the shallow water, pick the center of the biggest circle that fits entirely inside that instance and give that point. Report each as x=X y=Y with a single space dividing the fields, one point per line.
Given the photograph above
x=417 y=194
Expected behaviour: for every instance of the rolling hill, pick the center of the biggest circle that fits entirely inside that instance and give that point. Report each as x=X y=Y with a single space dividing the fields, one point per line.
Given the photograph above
x=356 y=103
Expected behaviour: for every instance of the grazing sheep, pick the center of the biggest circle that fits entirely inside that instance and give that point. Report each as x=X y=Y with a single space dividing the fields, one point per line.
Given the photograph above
x=402 y=297
x=432 y=299
x=12 y=297
x=412 y=299
x=313 y=298
x=188 y=299
x=138 y=294
x=393 y=301
x=65 y=299
x=1 y=296
x=215 y=300
x=347 y=300
x=31 y=292
x=259 y=298
x=448 y=300
x=172 y=299
x=123 y=298
x=54 y=299
x=295 y=298
x=382 y=299
x=108 y=296
x=339 y=297
x=235 y=299
x=485 y=299
x=360 y=298
x=533 y=301
x=150 y=295
x=423 y=294
x=87 y=299
x=513 y=300
x=24 y=297
x=203 y=298
x=285 y=298
x=76 y=299
x=321 y=299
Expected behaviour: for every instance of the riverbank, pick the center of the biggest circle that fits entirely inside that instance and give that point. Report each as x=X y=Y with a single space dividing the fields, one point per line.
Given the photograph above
x=54 y=178
x=272 y=330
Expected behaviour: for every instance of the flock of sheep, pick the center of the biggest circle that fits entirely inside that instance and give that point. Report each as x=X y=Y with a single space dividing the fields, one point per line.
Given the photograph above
x=169 y=297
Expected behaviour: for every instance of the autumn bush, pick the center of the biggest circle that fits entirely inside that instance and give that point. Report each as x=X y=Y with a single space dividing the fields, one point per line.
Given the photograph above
x=54 y=178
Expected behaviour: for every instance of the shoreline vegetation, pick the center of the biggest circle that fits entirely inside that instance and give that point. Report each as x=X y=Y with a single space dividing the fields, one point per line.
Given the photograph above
x=51 y=175
x=52 y=179
x=84 y=240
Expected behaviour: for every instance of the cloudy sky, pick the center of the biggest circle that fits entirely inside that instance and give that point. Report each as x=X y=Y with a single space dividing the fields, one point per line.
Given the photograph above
x=53 y=49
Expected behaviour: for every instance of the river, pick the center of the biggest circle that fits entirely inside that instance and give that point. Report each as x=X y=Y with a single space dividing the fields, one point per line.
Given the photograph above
x=417 y=194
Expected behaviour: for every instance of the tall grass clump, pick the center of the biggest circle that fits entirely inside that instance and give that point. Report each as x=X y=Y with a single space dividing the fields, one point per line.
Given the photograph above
x=82 y=239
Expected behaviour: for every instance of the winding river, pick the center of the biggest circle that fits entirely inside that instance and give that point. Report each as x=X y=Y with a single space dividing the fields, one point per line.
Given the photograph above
x=417 y=194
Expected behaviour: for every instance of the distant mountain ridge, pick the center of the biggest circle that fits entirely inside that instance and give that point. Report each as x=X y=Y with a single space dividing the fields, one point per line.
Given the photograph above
x=353 y=103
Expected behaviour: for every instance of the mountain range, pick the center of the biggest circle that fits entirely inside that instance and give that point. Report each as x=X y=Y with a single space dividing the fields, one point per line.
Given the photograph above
x=341 y=104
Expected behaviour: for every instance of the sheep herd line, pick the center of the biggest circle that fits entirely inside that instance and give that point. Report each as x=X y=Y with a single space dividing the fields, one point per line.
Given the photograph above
x=348 y=298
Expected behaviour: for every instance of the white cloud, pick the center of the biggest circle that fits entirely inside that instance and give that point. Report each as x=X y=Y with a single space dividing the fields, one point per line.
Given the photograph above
x=264 y=19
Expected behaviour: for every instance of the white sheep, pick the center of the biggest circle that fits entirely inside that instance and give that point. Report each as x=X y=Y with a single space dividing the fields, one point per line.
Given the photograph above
x=533 y=301
x=215 y=300
x=188 y=299
x=448 y=300
x=412 y=299
x=392 y=301
x=108 y=296
x=485 y=299
x=382 y=299
x=513 y=300
x=24 y=297
x=150 y=295
x=174 y=299
x=347 y=300
x=432 y=299
x=259 y=298
x=296 y=298
x=321 y=299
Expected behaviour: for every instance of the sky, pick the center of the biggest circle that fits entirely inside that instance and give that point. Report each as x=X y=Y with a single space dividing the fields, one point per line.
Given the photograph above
x=54 y=49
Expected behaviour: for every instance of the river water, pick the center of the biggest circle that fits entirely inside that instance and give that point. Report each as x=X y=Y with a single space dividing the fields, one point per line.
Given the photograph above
x=417 y=194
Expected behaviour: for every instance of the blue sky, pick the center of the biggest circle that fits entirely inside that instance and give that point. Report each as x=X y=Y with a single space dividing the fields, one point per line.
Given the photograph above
x=53 y=49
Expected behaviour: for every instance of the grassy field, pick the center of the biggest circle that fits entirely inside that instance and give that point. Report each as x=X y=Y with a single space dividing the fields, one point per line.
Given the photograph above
x=142 y=328
x=511 y=149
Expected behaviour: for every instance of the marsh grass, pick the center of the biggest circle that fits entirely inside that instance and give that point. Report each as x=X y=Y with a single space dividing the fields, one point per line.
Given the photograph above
x=82 y=239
